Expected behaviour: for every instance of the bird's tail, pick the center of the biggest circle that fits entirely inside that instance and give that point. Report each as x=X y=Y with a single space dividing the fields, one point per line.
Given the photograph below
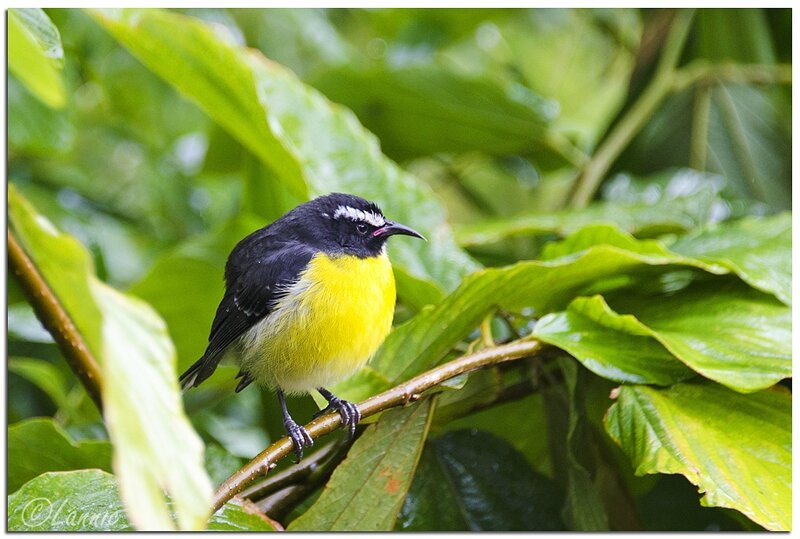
x=188 y=379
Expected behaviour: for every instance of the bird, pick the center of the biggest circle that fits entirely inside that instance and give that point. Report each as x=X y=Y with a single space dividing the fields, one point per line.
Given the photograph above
x=308 y=300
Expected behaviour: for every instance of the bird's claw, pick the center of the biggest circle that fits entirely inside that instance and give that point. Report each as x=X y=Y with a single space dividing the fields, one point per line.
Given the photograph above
x=300 y=437
x=347 y=410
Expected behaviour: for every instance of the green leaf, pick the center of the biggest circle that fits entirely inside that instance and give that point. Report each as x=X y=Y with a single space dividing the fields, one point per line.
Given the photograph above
x=685 y=201
x=40 y=445
x=33 y=127
x=617 y=347
x=242 y=515
x=88 y=500
x=43 y=375
x=536 y=286
x=757 y=249
x=155 y=448
x=736 y=448
x=82 y=500
x=451 y=111
x=473 y=480
x=311 y=145
x=722 y=329
x=35 y=55
x=366 y=491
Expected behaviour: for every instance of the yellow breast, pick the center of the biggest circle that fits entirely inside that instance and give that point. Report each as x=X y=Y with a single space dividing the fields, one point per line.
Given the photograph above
x=328 y=325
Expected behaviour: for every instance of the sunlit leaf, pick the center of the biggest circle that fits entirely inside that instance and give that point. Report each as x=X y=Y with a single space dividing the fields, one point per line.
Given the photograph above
x=35 y=54
x=736 y=448
x=155 y=448
x=40 y=445
x=367 y=490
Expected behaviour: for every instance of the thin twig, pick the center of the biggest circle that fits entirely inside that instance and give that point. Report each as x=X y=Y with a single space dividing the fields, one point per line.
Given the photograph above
x=55 y=319
x=399 y=395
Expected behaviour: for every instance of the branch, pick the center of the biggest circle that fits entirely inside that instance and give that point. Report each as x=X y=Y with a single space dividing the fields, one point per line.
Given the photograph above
x=55 y=319
x=633 y=120
x=399 y=395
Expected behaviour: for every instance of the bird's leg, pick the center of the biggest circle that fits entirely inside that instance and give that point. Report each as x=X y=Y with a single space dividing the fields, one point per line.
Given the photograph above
x=299 y=435
x=349 y=411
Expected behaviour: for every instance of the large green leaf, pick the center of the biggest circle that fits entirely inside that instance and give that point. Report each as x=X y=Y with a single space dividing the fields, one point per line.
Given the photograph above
x=539 y=286
x=736 y=448
x=88 y=500
x=367 y=490
x=35 y=55
x=722 y=329
x=155 y=448
x=450 y=111
x=617 y=347
x=678 y=202
x=40 y=445
x=311 y=145
x=472 y=480
x=758 y=249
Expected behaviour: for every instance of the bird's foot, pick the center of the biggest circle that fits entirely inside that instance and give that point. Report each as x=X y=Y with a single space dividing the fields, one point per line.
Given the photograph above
x=348 y=410
x=300 y=437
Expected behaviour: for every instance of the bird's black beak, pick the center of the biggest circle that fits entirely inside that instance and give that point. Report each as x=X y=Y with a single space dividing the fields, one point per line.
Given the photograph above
x=390 y=229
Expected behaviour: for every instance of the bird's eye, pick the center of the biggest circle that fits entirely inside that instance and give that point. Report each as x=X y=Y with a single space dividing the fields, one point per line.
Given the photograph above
x=362 y=228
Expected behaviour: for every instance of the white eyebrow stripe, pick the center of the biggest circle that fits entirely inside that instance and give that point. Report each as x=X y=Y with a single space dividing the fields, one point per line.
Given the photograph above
x=359 y=215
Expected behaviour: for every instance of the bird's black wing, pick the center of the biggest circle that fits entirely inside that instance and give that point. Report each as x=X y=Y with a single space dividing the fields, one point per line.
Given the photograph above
x=263 y=273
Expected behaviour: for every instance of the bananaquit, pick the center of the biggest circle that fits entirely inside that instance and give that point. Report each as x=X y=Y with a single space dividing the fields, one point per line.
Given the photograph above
x=308 y=300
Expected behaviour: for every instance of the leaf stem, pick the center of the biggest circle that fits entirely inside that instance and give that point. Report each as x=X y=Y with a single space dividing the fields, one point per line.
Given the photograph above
x=630 y=124
x=55 y=319
x=399 y=395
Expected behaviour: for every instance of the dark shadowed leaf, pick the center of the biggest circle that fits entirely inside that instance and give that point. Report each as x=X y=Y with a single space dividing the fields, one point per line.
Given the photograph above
x=472 y=480
x=40 y=445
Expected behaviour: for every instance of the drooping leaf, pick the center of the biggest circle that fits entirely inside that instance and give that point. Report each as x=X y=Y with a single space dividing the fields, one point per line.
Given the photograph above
x=312 y=146
x=736 y=448
x=757 y=249
x=35 y=55
x=88 y=500
x=722 y=329
x=472 y=480
x=617 y=347
x=40 y=445
x=155 y=448
x=43 y=375
x=367 y=490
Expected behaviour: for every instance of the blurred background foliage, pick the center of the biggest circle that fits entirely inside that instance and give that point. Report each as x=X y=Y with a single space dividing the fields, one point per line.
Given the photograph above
x=503 y=113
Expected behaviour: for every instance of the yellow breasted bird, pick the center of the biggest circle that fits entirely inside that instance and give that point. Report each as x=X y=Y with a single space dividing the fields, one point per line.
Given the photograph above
x=308 y=300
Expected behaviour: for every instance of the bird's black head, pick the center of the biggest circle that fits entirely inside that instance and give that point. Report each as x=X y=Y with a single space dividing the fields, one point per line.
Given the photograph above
x=342 y=223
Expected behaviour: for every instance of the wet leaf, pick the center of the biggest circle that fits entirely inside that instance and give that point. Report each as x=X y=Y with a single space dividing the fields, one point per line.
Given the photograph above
x=366 y=491
x=737 y=449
